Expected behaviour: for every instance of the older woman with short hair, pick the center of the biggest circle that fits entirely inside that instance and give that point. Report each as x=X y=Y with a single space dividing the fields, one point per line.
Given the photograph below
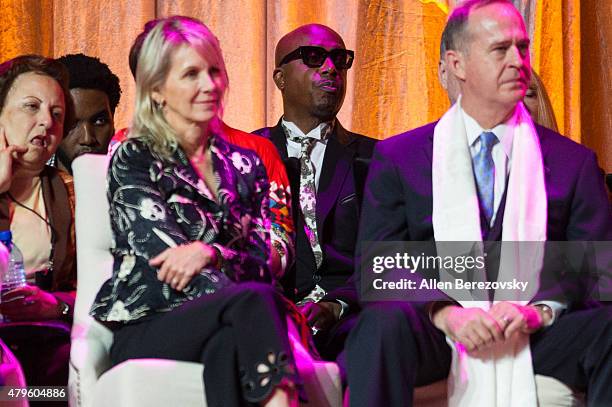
x=37 y=206
x=191 y=227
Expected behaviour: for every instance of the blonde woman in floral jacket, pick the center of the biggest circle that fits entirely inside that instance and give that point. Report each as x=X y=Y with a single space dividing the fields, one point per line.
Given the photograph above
x=190 y=219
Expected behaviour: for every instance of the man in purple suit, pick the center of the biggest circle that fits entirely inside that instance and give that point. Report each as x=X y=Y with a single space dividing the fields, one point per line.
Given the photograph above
x=396 y=346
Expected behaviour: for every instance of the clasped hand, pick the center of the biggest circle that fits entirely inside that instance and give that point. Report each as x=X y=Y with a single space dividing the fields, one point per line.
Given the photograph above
x=321 y=315
x=477 y=329
x=177 y=265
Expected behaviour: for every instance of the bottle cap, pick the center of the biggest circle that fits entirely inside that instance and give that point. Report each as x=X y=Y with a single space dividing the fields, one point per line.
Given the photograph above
x=6 y=236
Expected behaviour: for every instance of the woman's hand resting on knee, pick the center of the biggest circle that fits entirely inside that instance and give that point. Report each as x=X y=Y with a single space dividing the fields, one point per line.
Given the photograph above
x=177 y=265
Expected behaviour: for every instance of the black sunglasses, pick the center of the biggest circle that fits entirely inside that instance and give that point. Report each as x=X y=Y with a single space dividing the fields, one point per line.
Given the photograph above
x=314 y=57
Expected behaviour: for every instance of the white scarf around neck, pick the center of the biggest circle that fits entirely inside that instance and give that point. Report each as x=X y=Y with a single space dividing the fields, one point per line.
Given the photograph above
x=504 y=376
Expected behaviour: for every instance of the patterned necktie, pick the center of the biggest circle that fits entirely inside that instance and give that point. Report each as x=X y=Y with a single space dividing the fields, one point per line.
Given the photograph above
x=308 y=194
x=484 y=172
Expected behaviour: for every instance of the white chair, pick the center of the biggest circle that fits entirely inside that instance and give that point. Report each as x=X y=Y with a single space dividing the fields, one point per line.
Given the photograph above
x=140 y=382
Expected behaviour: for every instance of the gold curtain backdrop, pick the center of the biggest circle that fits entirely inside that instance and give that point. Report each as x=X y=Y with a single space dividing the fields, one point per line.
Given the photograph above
x=393 y=85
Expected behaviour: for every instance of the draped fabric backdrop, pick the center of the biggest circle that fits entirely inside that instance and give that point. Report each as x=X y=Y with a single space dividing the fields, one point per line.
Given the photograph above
x=393 y=84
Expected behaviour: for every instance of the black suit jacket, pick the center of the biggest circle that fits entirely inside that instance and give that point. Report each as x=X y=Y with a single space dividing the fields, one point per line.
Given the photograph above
x=341 y=184
x=397 y=203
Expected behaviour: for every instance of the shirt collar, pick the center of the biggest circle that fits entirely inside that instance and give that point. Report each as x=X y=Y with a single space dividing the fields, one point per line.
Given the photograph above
x=504 y=131
x=321 y=132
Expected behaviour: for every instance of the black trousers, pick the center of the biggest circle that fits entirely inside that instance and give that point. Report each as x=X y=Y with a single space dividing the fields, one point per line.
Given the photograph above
x=394 y=347
x=239 y=334
x=330 y=343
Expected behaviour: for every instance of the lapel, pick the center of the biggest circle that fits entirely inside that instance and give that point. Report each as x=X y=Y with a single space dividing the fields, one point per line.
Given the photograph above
x=58 y=195
x=495 y=233
x=226 y=174
x=57 y=206
x=184 y=172
x=278 y=137
x=429 y=147
x=337 y=162
x=227 y=198
x=541 y=135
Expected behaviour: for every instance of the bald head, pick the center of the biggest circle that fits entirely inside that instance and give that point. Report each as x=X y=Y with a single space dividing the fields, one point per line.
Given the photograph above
x=310 y=34
x=312 y=93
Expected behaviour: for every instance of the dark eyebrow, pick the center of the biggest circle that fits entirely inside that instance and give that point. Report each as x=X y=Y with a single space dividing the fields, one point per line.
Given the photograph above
x=102 y=112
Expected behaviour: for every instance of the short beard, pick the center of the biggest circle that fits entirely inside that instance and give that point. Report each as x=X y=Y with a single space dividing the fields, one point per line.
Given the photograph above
x=326 y=109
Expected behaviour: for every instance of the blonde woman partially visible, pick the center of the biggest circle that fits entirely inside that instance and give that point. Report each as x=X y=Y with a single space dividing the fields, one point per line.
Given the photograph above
x=538 y=104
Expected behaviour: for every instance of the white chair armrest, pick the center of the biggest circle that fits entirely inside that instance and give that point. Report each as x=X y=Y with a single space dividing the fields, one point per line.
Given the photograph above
x=89 y=359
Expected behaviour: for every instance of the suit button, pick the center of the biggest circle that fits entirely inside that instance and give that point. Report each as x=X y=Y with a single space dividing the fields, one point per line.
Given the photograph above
x=316 y=278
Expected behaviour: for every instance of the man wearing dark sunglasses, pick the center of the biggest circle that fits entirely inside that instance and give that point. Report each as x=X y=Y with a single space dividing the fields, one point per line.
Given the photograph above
x=327 y=166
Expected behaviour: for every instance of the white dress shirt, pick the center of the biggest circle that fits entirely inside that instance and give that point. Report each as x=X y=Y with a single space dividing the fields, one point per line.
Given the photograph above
x=318 y=151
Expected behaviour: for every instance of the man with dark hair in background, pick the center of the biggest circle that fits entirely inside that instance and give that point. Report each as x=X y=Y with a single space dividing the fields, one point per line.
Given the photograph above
x=95 y=93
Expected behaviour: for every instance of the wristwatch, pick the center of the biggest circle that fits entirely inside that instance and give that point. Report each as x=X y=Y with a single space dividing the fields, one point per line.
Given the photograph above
x=545 y=309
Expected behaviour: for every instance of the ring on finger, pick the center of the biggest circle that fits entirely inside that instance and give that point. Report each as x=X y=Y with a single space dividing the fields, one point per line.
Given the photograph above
x=506 y=319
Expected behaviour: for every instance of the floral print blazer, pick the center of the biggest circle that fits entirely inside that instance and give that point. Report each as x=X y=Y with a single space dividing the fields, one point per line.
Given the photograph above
x=157 y=203
x=282 y=237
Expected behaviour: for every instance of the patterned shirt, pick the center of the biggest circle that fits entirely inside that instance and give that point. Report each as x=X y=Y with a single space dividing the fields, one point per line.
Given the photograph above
x=281 y=221
x=156 y=203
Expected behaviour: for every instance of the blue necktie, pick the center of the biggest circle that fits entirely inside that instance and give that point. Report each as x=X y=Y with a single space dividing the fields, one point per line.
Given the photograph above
x=484 y=172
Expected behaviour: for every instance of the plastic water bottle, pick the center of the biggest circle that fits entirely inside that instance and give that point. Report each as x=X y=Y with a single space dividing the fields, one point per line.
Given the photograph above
x=14 y=277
